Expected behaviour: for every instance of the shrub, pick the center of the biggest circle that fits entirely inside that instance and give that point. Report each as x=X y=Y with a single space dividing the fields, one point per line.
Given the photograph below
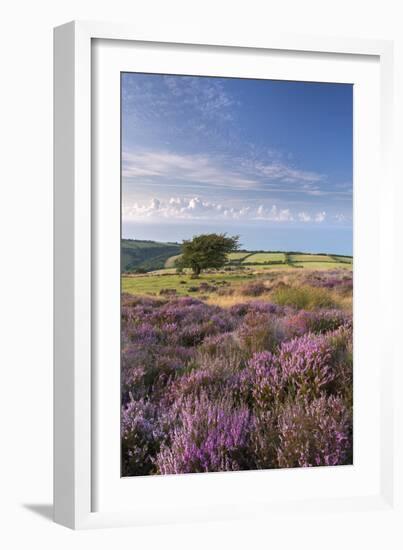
x=206 y=287
x=256 y=288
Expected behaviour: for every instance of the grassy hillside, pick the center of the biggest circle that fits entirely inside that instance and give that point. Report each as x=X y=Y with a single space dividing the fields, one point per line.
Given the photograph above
x=146 y=255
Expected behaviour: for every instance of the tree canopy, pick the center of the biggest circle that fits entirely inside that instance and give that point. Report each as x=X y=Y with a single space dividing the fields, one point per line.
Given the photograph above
x=207 y=251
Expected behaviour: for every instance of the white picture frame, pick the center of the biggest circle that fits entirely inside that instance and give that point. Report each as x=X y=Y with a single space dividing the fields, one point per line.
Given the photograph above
x=79 y=476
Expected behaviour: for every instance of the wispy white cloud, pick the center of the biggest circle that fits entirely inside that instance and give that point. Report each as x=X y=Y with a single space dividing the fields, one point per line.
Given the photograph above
x=218 y=171
x=195 y=208
x=280 y=171
x=201 y=169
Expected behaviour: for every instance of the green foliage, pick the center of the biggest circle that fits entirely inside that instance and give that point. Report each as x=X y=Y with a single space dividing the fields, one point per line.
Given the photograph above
x=207 y=251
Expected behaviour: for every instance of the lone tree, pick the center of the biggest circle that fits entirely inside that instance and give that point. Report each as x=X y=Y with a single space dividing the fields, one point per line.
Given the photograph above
x=207 y=251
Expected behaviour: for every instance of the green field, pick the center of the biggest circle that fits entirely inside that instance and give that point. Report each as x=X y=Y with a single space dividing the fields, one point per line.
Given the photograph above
x=265 y=257
x=183 y=284
x=237 y=256
x=167 y=279
x=344 y=259
x=325 y=264
x=318 y=258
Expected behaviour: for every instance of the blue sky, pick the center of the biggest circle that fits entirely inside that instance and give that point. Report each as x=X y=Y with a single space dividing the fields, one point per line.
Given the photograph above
x=268 y=160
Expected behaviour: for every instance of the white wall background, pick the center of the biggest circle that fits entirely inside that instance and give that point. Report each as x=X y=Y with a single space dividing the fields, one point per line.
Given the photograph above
x=26 y=260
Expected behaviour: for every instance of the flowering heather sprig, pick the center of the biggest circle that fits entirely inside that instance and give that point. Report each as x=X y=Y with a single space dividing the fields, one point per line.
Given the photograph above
x=305 y=364
x=261 y=382
x=210 y=437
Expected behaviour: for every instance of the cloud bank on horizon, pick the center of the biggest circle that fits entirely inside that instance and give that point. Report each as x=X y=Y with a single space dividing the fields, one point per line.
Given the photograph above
x=235 y=150
x=177 y=209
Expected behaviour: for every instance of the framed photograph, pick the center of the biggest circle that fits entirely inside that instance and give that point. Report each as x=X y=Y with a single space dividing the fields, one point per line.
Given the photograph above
x=223 y=210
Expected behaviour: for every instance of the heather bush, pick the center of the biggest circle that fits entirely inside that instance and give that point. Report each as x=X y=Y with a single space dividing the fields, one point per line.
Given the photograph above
x=265 y=438
x=317 y=322
x=338 y=280
x=218 y=346
x=141 y=436
x=213 y=380
x=306 y=366
x=211 y=436
x=341 y=344
x=316 y=433
x=240 y=310
x=255 y=288
x=259 y=332
x=261 y=382
x=221 y=351
x=149 y=369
